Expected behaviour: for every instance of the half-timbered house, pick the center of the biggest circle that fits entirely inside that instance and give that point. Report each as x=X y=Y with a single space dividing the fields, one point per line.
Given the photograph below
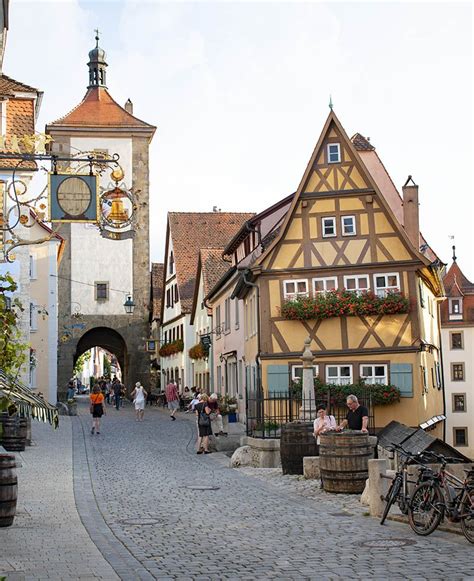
x=351 y=248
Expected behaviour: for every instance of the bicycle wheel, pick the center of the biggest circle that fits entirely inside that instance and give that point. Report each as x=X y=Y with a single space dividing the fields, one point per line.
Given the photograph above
x=426 y=508
x=391 y=497
x=467 y=516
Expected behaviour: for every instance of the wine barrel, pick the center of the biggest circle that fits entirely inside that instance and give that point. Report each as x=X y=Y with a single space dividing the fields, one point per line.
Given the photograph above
x=296 y=442
x=343 y=461
x=8 y=490
x=13 y=433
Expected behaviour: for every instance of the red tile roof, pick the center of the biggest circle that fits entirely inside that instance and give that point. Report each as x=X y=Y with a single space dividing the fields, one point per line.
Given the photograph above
x=361 y=143
x=156 y=289
x=213 y=267
x=20 y=117
x=9 y=86
x=191 y=231
x=456 y=283
x=98 y=109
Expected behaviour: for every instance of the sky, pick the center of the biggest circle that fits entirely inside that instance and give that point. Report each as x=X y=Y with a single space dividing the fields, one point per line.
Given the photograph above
x=239 y=93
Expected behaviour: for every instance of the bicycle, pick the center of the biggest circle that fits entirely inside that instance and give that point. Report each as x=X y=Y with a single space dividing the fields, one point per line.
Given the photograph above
x=443 y=494
x=398 y=490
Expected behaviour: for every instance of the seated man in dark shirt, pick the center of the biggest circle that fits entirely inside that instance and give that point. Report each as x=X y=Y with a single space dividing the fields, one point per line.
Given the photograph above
x=357 y=417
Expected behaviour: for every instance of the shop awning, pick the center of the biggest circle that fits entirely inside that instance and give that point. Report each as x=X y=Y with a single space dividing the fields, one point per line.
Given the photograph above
x=28 y=403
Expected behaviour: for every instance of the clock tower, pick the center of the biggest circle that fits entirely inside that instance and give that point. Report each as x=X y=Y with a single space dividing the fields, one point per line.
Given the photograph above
x=97 y=274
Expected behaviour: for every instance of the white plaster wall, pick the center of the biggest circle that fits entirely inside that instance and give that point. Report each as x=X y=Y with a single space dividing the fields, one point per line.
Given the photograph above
x=96 y=259
x=466 y=356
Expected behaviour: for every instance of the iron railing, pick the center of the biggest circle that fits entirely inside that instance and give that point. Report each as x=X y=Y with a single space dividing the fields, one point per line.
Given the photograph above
x=266 y=414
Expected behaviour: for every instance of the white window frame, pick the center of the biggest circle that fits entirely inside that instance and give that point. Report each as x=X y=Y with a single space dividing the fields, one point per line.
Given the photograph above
x=357 y=277
x=294 y=376
x=382 y=291
x=325 y=284
x=33 y=269
x=291 y=296
x=227 y=315
x=33 y=317
x=339 y=380
x=373 y=379
x=237 y=318
x=218 y=322
x=33 y=377
x=338 y=146
x=323 y=226
x=455 y=315
x=343 y=228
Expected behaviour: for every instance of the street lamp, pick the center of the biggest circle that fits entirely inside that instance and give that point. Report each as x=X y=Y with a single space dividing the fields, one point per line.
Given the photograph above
x=129 y=305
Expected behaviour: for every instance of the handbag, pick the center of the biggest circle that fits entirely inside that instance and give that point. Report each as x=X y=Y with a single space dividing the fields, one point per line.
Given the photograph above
x=204 y=420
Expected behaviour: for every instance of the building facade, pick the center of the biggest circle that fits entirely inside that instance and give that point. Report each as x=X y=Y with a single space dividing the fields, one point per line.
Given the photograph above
x=187 y=234
x=347 y=232
x=457 y=331
x=97 y=273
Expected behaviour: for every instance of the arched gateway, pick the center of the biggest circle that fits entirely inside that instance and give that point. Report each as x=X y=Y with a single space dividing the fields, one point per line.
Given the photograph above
x=96 y=273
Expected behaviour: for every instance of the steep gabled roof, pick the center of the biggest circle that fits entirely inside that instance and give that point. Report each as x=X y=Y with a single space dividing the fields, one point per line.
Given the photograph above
x=211 y=268
x=191 y=231
x=361 y=143
x=456 y=283
x=157 y=271
x=98 y=109
x=333 y=121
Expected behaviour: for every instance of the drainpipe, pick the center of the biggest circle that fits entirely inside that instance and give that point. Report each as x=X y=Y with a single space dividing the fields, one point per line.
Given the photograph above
x=257 y=357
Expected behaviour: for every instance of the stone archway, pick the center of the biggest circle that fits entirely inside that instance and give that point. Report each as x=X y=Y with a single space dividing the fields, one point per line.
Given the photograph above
x=107 y=339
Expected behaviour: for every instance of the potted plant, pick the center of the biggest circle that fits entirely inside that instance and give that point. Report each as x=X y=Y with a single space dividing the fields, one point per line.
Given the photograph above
x=72 y=407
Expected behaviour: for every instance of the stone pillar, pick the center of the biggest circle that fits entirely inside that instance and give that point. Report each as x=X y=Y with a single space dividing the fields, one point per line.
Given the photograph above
x=377 y=486
x=308 y=407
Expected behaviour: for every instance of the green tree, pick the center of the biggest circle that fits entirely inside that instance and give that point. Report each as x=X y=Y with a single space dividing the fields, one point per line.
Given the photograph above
x=13 y=353
x=79 y=366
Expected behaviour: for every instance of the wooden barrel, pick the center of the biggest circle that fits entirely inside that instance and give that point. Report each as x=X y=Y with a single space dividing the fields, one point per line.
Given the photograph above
x=8 y=490
x=296 y=442
x=13 y=436
x=343 y=461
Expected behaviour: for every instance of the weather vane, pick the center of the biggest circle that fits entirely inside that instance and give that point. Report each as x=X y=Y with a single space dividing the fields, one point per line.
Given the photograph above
x=330 y=102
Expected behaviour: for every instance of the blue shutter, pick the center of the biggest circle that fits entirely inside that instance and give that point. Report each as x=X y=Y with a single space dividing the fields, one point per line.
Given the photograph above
x=278 y=378
x=401 y=375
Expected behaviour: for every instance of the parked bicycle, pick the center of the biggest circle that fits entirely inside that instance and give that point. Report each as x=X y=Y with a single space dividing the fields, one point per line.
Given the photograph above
x=398 y=491
x=443 y=495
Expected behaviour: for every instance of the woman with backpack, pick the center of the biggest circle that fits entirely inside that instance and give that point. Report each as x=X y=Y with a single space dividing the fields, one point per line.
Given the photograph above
x=203 y=412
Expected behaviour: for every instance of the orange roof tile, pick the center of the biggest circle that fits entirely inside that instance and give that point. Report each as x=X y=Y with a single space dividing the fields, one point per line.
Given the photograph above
x=98 y=109
x=191 y=231
x=9 y=86
x=20 y=117
x=456 y=283
x=213 y=267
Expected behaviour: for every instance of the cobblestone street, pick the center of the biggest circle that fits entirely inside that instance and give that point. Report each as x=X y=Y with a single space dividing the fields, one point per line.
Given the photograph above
x=134 y=491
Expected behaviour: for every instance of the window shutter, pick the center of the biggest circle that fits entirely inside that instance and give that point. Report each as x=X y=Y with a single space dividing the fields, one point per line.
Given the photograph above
x=278 y=379
x=401 y=375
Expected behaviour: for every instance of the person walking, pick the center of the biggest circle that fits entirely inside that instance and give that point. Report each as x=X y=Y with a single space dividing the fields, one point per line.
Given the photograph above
x=216 y=416
x=203 y=412
x=117 y=389
x=172 y=398
x=139 y=398
x=97 y=408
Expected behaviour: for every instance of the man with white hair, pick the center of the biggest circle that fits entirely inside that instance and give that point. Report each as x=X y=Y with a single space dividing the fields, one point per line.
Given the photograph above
x=216 y=417
x=357 y=417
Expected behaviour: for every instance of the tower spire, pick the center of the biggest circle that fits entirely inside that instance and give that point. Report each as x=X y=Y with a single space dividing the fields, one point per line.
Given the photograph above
x=97 y=65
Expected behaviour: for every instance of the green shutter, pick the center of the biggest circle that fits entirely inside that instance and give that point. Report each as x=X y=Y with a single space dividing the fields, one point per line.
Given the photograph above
x=278 y=378
x=401 y=375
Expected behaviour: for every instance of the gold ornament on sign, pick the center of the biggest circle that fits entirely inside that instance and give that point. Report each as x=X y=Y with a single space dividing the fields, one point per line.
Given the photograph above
x=23 y=219
x=117 y=174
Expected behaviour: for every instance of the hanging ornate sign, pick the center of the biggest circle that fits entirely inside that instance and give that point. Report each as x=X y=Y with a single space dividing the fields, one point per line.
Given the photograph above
x=73 y=198
x=117 y=209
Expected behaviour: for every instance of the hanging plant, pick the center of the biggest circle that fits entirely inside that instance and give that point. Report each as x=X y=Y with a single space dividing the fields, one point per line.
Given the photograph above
x=171 y=348
x=197 y=352
x=344 y=303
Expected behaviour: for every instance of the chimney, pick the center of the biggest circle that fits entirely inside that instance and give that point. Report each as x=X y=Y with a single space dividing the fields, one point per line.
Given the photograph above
x=129 y=107
x=411 y=218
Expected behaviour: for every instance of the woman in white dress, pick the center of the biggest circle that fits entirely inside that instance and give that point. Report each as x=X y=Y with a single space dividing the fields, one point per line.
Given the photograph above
x=139 y=397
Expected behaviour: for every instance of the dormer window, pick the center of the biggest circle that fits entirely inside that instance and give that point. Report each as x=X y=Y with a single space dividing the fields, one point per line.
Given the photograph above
x=455 y=309
x=334 y=153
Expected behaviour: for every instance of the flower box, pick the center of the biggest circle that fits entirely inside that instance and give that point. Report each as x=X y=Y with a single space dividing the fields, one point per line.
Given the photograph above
x=344 y=303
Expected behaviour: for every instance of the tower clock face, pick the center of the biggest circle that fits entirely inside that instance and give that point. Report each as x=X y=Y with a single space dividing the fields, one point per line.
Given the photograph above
x=74 y=196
